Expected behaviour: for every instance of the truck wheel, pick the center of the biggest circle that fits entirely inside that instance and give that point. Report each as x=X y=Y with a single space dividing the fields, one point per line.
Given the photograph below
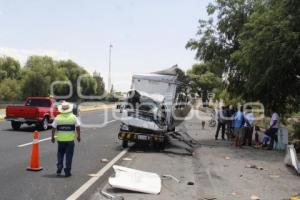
x=159 y=146
x=44 y=124
x=162 y=146
x=15 y=125
x=125 y=144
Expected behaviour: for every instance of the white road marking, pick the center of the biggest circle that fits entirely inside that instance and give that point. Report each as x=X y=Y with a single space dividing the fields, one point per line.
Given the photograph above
x=30 y=143
x=49 y=138
x=96 y=176
x=110 y=121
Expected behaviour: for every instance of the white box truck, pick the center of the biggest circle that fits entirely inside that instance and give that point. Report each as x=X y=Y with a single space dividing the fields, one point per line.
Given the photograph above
x=149 y=111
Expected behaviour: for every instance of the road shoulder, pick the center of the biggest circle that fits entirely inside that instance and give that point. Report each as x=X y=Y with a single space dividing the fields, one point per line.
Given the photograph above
x=216 y=171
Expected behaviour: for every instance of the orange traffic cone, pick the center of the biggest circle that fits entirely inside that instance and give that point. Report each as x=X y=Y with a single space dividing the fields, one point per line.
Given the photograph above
x=35 y=160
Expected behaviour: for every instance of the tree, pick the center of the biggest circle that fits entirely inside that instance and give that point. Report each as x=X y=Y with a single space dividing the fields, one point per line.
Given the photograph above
x=72 y=72
x=203 y=80
x=217 y=41
x=36 y=85
x=269 y=57
x=89 y=85
x=38 y=74
x=100 y=89
x=9 y=68
x=254 y=44
x=10 y=90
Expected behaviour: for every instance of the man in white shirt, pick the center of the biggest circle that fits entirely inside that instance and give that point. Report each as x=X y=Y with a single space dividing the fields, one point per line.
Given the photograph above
x=272 y=130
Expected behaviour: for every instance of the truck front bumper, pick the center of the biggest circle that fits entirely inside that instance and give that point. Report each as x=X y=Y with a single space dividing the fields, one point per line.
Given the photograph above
x=134 y=137
x=21 y=120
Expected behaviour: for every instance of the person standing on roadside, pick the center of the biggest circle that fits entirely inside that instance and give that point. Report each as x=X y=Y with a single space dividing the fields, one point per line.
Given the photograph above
x=221 y=123
x=272 y=130
x=238 y=127
x=230 y=114
x=249 y=119
x=66 y=127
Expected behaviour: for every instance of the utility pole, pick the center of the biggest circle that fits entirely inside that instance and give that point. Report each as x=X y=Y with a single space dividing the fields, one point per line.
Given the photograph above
x=109 y=69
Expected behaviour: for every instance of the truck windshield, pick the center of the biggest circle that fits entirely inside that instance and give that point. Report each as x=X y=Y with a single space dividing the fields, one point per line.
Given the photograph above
x=38 y=103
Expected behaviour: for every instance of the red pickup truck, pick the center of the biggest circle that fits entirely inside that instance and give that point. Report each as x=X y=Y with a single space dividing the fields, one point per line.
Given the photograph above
x=37 y=110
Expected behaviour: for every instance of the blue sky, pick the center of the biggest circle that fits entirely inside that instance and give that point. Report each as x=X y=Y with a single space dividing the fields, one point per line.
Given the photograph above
x=147 y=35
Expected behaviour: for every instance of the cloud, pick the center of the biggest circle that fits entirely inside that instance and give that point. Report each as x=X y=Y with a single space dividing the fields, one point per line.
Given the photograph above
x=23 y=54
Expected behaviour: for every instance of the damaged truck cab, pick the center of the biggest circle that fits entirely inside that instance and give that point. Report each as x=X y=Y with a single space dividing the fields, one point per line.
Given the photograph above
x=149 y=114
x=144 y=120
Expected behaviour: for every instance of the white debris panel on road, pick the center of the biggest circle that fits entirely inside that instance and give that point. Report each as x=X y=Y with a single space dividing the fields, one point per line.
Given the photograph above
x=135 y=180
x=291 y=158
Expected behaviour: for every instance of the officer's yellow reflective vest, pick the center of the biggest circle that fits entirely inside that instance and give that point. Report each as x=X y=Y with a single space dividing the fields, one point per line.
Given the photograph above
x=65 y=127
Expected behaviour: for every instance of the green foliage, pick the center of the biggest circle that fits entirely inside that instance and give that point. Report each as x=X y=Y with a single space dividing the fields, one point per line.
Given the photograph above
x=269 y=55
x=39 y=72
x=254 y=44
x=72 y=72
x=227 y=98
x=9 y=68
x=296 y=127
x=10 y=90
x=203 y=80
x=100 y=86
x=35 y=84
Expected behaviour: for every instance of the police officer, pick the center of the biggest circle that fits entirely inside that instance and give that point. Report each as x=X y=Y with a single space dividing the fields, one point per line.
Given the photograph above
x=66 y=127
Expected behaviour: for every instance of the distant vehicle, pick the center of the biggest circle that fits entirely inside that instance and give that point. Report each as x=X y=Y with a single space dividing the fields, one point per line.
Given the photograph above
x=124 y=105
x=37 y=110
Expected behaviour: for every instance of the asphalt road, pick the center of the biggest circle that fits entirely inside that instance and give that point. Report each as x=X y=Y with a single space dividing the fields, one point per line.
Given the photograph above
x=99 y=140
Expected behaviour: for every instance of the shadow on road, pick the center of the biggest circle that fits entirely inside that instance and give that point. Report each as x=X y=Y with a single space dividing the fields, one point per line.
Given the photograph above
x=28 y=129
x=53 y=176
x=169 y=149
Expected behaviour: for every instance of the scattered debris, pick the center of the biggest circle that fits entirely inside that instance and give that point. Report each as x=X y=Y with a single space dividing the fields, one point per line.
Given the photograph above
x=274 y=176
x=291 y=158
x=110 y=196
x=208 y=198
x=254 y=197
x=104 y=160
x=93 y=175
x=234 y=193
x=295 y=197
x=255 y=167
x=190 y=183
x=171 y=177
x=135 y=180
x=190 y=144
x=127 y=159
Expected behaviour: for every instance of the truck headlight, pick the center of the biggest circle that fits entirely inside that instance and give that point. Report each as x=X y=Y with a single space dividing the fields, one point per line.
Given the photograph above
x=124 y=127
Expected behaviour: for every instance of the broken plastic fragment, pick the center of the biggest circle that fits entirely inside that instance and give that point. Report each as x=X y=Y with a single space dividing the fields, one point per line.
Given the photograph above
x=93 y=175
x=254 y=197
x=291 y=158
x=135 y=180
x=172 y=177
x=127 y=159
